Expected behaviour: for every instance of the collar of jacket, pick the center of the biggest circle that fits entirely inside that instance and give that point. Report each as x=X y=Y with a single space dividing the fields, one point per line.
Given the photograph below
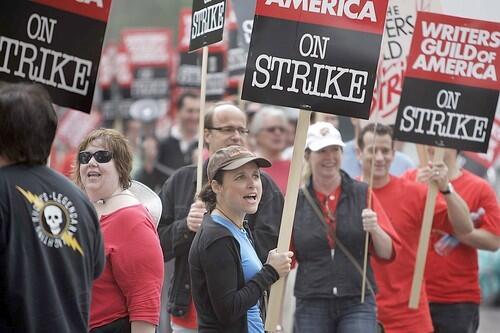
x=215 y=230
x=346 y=184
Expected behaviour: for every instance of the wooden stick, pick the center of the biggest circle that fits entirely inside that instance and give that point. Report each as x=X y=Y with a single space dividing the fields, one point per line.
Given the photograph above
x=201 y=124
x=425 y=233
x=423 y=155
x=292 y=190
x=241 y=102
x=367 y=234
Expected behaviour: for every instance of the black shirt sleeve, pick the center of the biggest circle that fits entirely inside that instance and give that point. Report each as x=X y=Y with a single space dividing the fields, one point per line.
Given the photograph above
x=221 y=264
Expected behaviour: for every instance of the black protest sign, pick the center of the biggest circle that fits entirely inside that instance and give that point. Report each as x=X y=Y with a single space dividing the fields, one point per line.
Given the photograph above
x=239 y=29
x=216 y=73
x=54 y=43
x=207 y=23
x=319 y=56
x=150 y=57
x=188 y=74
x=189 y=67
x=451 y=87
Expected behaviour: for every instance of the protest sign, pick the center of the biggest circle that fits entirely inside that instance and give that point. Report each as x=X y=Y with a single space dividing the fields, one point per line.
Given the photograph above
x=315 y=55
x=188 y=67
x=150 y=61
x=207 y=23
x=240 y=32
x=451 y=85
x=54 y=43
x=399 y=25
x=488 y=159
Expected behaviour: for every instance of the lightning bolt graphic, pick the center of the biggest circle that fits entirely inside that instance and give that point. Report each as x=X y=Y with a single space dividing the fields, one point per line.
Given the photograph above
x=38 y=203
x=71 y=242
x=32 y=199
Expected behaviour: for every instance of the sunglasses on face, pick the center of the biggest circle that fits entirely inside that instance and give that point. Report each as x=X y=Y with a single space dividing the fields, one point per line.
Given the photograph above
x=101 y=156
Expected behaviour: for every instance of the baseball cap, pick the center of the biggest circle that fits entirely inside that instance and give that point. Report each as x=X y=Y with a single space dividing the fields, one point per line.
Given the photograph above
x=321 y=135
x=231 y=158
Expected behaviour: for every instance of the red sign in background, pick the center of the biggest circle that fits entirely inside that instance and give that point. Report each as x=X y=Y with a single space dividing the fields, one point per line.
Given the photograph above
x=454 y=33
x=330 y=15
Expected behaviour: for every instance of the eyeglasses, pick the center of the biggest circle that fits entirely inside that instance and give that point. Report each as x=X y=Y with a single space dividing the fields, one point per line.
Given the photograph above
x=101 y=156
x=230 y=130
x=274 y=129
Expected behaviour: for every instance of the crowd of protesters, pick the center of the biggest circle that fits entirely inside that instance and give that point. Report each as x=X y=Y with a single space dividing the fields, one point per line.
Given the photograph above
x=222 y=241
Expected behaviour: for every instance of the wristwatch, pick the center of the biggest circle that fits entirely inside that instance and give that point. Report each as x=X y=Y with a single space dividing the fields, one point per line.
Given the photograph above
x=449 y=189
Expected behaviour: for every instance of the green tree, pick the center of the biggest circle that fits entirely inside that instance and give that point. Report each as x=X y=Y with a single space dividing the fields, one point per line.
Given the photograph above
x=144 y=13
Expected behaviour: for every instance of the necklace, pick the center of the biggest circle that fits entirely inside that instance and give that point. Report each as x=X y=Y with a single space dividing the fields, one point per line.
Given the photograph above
x=227 y=217
x=103 y=201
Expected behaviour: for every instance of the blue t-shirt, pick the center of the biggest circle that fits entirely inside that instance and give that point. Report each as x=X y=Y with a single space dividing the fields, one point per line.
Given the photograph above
x=251 y=265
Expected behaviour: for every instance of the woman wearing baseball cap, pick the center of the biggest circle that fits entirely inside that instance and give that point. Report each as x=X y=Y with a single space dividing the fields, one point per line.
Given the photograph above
x=227 y=277
x=331 y=220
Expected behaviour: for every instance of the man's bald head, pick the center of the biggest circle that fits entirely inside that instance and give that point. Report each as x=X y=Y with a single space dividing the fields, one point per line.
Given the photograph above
x=225 y=125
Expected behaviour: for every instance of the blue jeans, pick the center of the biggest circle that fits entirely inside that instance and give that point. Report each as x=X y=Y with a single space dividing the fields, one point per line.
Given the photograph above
x=339 y=315
x=455 y=318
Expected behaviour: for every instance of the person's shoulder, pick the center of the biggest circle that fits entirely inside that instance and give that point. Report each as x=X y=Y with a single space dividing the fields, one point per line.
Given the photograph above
x=182 y=174
x=132 y=216
x=212 y=231
x=469 y=179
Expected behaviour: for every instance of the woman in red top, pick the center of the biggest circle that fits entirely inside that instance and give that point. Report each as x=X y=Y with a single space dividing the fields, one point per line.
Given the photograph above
x=126 y=297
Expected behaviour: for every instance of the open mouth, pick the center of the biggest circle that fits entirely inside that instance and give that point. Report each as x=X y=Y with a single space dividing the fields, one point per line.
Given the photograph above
x=252 y=198
x=93 y=175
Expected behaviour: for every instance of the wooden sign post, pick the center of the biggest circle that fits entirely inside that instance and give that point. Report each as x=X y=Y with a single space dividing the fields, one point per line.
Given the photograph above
x=319 y=68
x=201 y=124
x=446 y=107
x=203 y=35
x=292 y=190
x=425 y=233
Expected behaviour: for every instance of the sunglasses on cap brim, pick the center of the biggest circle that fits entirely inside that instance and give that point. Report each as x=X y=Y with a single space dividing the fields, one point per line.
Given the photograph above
x=101 y=156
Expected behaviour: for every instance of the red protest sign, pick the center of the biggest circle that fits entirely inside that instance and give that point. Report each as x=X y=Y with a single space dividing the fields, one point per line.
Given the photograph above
x=95 y=9
x=451 y=87
x=316 y=55
x=357 y=15
x=455 y=50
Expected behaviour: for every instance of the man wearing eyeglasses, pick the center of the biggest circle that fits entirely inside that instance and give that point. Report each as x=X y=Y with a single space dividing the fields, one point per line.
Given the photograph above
x=225 y=125
x=51 y=248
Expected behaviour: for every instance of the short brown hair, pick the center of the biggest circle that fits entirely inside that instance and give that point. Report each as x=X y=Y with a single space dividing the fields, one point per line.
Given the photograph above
x=28 y=123
x=378 y=129
x=118 y=145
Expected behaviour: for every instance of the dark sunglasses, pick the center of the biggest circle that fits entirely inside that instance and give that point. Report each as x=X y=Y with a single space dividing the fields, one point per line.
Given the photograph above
x=101 y=156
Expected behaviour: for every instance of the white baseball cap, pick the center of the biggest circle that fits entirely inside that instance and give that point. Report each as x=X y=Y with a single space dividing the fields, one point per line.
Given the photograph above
x=321 y=135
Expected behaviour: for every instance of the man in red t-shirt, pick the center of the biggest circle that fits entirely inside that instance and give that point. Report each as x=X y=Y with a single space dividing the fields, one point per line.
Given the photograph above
x=404 y=202
x=452 y=268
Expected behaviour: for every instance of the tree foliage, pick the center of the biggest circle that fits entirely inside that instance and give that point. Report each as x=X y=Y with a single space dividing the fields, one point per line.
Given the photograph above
x=144 y=13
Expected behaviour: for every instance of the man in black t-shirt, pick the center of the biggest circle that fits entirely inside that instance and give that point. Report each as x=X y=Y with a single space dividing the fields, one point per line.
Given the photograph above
x=51 y=246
